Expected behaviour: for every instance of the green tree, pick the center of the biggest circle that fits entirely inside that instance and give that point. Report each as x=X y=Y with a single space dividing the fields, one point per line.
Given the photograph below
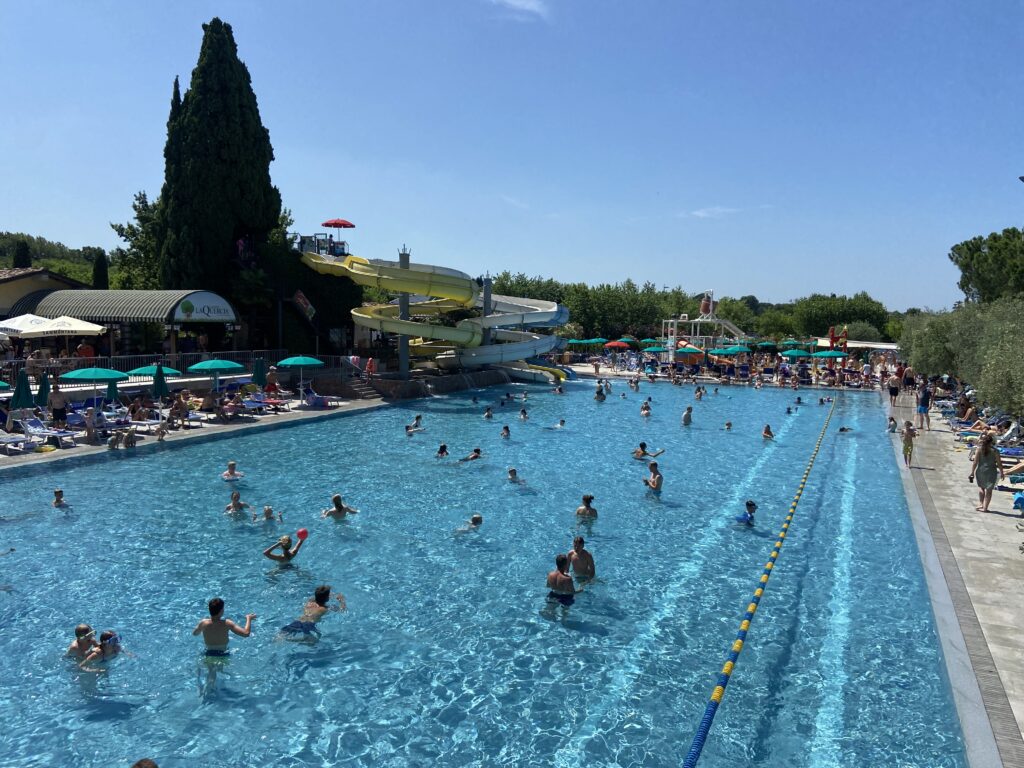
x=136 y=265
x=217 y=189
x=22 y=256
x=991 y=267
x=100 y=267
x=775 y=324
x=862 y=331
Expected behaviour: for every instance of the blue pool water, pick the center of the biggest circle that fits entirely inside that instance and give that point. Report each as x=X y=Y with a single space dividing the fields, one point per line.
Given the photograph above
x=448 y=653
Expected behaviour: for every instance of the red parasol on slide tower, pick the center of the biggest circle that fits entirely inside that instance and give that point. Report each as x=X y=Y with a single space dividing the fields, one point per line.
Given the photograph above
x=339 y=224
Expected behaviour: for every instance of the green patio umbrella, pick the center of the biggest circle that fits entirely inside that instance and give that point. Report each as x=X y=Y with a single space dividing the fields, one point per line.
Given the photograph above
x=300 y=362
x=689 y=351
x=792 y=343
x=599 y=340
x=259 y=372
x=4 y=385
x=795 y=353
x=22 y=392
x=150 y=370
x=43 y=395
x=216 y=367
x=738 y=349
x=833 y=353
x=160 y=388
x=766 y=344
x=649 y=341
x=94 y=376
x=655 y=350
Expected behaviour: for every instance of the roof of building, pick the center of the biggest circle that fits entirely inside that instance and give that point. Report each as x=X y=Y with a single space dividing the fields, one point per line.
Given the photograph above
x=12 y=273
x=125 y=306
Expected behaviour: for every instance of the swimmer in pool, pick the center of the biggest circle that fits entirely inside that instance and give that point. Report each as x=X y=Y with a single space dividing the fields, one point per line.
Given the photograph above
x=559 y=425
x=505 y=433
x=599 y=394
x=474 y=522
x=513 y=477
x=747 y=518
x=645 y=409
x=688 y=416
x=232 y=472
x=109 y=648
x=789 y=410
x=338 y=508
x=476 y=454
x=654 y=482
x=410 y=430
x=585 y=509
x=846 y=429
x=767 y=433
x=728 y=426
x=562 y=588
x=892 y=425
x=215 y=629
x=236 y=504
x=580 y=560
x=58 y=499
x=523 y=414
x=488 y=413
x=417 y=422
x=442 y=451
x=640 y=452
x=84 y=642
x=287 y=553
x=305 y=627
x=268 y=514
x=622 y=395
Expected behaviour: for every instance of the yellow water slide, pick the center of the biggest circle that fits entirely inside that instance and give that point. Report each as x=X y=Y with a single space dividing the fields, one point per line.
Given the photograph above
x=453 y=290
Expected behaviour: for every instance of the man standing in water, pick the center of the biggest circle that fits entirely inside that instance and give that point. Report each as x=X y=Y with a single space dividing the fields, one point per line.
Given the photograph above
x=654 y=482
x=580 y=560
x=561 y=587
x=215 y=629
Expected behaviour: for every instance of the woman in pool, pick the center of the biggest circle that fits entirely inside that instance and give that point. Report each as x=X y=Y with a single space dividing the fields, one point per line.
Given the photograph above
x=287 y=552
x=585 y=509
x=338 y=508
x=268 y=515
x=236 y=504
x=109 y=648
x=767 y=433
x=506 y=433
x=488 y=413
x=523 y=415
x=442 y=451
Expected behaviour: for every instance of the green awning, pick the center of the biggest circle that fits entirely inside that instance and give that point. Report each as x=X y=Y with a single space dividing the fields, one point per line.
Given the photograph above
x=137 y=306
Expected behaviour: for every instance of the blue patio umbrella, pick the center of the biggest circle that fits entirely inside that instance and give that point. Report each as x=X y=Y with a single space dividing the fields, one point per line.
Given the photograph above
x=259 y=372
x=160 y=388
x=94 y=376
x=43 y=394
x=150 y=370
x=300 y=362
x=22 y=392
x=216 y=367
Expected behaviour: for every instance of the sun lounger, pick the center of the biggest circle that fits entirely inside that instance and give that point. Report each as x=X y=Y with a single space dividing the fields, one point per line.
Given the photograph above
x=146 y=424
x=23 y=443
x=35 y=428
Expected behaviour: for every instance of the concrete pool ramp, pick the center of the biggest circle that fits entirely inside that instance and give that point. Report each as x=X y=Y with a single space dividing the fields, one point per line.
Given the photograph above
x=977 y=557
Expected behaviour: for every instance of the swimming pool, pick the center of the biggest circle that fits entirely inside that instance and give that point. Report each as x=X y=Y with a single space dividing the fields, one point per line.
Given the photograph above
x=448 y=653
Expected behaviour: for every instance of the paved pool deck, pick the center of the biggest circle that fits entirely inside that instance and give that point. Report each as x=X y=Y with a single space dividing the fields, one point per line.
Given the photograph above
x=980 y=563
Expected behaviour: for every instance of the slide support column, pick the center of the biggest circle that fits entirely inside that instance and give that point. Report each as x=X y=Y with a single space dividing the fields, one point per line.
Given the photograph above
x=403 y=313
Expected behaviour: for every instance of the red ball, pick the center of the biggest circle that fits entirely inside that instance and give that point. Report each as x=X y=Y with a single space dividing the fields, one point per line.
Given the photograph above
x=302 y=533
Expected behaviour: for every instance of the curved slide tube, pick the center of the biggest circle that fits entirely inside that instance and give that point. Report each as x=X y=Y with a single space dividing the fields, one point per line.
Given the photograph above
x=455 y=290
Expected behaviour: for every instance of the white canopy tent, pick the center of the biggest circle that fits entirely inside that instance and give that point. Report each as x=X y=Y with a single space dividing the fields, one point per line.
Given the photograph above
x=63 y=326
x=15 y=326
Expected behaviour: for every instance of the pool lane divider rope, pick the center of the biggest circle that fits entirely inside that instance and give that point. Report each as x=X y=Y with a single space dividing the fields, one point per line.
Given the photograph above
x=737 y=645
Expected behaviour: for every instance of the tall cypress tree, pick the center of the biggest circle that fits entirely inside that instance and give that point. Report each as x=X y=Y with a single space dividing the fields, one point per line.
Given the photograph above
x=22 y=257
x=217 y=187
x=100 y=267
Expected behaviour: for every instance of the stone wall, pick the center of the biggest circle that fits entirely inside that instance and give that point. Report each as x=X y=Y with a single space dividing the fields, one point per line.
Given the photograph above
x=437 y=385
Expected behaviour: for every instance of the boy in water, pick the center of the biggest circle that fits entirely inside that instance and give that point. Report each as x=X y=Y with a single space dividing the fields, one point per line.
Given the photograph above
x=215 y=629
x=84 y=642
x=305 y=627
x=640 y=452
x=580 y=559
x=476 y=454
x=474 y=522
x=58 y=499
x=747 y=518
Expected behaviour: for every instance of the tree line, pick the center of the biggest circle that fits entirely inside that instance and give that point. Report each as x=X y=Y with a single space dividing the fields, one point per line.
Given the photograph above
x=612 y=310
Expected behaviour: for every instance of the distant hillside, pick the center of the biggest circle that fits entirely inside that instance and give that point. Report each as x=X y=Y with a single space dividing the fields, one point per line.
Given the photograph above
x=71 y=262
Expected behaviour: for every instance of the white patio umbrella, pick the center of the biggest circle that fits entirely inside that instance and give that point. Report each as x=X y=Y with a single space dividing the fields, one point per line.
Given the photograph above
x=63 y=326
x=15 y=326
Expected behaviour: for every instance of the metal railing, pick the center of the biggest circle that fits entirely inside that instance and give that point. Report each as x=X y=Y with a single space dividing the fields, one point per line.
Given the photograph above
x=54 y=367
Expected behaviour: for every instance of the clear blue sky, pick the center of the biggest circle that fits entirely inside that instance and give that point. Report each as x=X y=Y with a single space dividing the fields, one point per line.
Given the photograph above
x=774 y=148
